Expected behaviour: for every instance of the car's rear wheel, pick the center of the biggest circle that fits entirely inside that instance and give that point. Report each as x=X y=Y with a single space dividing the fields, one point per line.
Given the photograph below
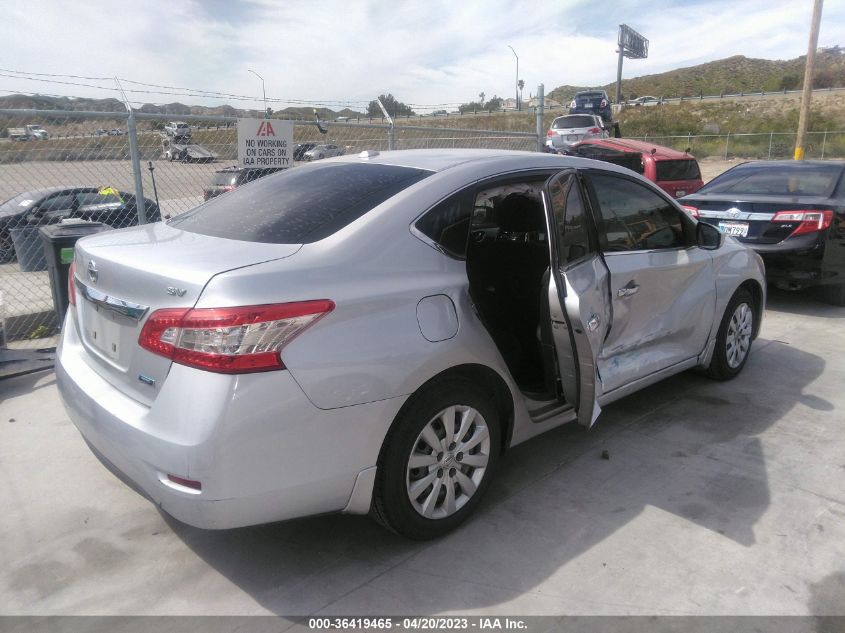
x=834 y=295
x=437 y=461
x=733 y=340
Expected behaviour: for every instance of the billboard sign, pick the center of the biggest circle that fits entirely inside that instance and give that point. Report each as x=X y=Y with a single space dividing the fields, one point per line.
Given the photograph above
x=632 y=44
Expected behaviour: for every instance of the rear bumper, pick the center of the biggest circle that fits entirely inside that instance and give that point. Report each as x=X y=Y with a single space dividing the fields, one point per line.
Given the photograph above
x=261 y=449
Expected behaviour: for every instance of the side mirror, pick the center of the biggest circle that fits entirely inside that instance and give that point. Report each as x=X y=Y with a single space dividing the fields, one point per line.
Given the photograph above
x=708 y=236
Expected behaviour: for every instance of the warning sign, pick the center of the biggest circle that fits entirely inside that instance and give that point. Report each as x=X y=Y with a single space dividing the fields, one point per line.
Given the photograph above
x=265 y=143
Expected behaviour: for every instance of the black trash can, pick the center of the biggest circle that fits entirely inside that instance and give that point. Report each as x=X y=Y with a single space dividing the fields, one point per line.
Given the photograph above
x=59 y=240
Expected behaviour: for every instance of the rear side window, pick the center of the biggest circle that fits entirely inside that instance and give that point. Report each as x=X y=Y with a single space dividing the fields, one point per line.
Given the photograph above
x=447 y=224
x=299 y=206
x=677 y=170
x=94 y=198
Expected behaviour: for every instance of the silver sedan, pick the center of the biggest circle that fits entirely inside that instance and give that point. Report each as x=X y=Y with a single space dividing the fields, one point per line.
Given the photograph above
x=371 y=334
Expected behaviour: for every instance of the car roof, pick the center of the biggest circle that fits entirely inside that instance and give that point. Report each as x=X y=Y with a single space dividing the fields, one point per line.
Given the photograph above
x=492 y=160
x=795 y=164
x=630 y=145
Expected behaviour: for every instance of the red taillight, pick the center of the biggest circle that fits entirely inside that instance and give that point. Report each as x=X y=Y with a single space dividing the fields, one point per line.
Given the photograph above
x=594 y=130
x=71 y=286
x=810 y=221
x=550 y=134
x=229 y=340
x=693 y=211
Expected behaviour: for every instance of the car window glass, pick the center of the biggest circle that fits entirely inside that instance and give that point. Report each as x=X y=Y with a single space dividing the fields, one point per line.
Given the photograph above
x=634 y=217
x=574 y=238
x=94 y=198
x=677 y=170
x=299 y=206
x=57 y=203
x=573 y=121
x=447 y=224
x=777 y=179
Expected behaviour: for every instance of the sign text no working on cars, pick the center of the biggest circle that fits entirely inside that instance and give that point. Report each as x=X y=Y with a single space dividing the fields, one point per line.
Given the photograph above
x=265 y=143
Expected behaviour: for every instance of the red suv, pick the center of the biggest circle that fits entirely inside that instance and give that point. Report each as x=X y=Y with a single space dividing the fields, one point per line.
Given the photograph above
x=675 y=172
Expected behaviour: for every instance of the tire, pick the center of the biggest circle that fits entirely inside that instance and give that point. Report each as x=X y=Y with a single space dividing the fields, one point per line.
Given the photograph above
x=834 y=295
x=434 y=511
x=734 y=338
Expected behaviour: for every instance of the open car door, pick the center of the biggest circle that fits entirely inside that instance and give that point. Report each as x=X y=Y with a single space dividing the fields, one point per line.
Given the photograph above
x=579 y=299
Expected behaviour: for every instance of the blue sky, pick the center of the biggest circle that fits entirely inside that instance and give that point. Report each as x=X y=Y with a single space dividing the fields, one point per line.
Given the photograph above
x=429 y=53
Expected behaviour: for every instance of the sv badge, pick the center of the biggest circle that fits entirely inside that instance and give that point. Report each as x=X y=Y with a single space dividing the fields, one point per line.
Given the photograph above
x=178 y=292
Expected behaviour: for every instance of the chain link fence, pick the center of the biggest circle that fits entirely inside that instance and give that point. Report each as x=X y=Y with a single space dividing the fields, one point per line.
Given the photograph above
x=758 y=146
x=56 y=165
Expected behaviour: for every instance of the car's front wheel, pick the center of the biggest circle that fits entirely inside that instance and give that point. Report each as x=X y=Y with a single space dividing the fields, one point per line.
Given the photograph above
x=733 y=340
x=437 y=461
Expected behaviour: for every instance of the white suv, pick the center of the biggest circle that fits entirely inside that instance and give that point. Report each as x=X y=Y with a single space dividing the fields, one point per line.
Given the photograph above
x=177 y=129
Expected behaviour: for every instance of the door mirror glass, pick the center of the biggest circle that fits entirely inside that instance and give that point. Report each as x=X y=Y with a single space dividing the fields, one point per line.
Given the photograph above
x=708 y=236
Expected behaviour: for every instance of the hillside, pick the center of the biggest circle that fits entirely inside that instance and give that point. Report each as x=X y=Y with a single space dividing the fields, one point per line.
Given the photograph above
x=40 y=102
x=729 y=76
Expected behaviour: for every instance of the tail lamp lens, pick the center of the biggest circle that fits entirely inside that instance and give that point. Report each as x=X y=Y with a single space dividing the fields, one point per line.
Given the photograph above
x=71 y=286
x=693 y=211
x=229 y=340
x=809 y=221
x=594 y=130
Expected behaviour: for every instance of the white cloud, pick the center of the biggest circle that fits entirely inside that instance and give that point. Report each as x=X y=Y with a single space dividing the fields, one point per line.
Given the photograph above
x=423 y=52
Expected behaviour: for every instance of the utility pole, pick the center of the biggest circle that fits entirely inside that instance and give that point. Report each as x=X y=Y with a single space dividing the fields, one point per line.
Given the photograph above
x=517 y=75
x=807 y=95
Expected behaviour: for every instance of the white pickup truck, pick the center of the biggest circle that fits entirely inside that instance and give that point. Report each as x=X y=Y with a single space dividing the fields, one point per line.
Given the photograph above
x=28 y=132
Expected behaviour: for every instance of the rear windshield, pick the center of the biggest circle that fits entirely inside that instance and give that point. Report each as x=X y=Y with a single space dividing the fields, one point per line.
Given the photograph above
x=576 y=120
x=631 y=160
x=590 y=95
x=686 y=169
x=788 y=179
x=225 y=178
x=301 y=205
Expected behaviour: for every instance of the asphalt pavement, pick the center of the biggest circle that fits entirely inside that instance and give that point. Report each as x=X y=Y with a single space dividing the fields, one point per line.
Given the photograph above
x=717 y=498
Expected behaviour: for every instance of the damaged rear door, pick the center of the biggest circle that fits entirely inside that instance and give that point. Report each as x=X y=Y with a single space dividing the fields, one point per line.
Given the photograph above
x=578 y=292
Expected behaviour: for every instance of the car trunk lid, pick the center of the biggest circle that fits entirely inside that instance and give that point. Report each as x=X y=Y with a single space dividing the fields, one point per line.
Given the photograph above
x=124 y=276
x=750 y=219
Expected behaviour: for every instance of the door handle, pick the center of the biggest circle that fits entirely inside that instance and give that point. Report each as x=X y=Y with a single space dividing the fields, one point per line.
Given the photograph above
x=628 y=290
x=593 y=323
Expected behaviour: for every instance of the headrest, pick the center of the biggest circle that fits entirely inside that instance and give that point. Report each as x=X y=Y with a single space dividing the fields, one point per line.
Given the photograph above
x=519 y=213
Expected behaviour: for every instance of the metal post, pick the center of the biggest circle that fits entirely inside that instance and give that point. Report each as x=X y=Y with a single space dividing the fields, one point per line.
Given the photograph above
x=135 y=158
x=540 y=123
x=824 y=141
x=771 y=137
x=391 y=137
x=727 y=143
x=619 y=75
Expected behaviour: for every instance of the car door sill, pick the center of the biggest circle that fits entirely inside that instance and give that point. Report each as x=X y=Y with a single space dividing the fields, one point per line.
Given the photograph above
x=645 y=381
x=542 y=411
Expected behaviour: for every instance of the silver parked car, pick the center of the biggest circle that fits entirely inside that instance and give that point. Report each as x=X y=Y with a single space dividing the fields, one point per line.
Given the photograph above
x=574 y=128
x=322 y=151
x=370 y=334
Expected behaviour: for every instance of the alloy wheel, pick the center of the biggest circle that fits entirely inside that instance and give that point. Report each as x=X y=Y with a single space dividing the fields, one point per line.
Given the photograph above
x=448 y=462
x=738 y=339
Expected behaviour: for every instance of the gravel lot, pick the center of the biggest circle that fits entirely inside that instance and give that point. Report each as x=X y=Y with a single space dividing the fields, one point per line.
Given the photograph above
x=718 y=498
